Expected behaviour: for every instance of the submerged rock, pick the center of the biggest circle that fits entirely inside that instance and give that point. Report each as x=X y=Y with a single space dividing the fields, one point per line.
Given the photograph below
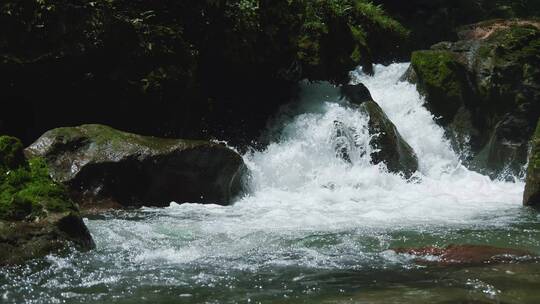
x=37 y=217
x=453 y=255
x=531 y=197
x=485 y=90
x=387 y=144
x=106 y=167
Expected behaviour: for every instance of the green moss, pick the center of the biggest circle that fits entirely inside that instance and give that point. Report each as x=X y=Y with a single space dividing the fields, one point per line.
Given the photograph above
x=510 y=57
x=11 y=155
x=28 y=192
x=442 y=79
x=102 y=135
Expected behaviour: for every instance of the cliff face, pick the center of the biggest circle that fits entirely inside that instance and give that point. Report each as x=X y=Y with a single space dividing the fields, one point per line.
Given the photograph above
x=485 y=90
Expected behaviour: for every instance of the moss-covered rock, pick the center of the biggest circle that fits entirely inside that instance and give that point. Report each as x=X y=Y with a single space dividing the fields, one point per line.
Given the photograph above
x=443 y=78
x=104 y=167
x=37 y=216
x=485 y=90
x=531 y=197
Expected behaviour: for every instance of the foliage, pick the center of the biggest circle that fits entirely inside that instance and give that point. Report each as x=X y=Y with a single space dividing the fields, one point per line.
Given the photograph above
x=26 y=190
x=179 y=66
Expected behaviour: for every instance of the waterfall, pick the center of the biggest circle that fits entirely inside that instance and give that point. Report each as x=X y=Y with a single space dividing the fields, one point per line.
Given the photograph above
x=297 y=182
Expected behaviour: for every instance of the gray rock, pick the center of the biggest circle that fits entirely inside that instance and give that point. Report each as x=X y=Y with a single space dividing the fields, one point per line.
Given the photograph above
x=104 y=167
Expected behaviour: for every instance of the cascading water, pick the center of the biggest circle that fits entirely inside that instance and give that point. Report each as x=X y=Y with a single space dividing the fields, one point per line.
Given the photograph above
x=312 y=227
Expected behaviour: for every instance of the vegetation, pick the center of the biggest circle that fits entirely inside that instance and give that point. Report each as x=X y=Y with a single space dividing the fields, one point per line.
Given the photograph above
x=26 y=189
x=432 y=21
x=186 y=68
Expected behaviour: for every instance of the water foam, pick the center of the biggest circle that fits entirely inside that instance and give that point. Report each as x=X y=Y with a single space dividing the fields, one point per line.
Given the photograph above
x=297 y=182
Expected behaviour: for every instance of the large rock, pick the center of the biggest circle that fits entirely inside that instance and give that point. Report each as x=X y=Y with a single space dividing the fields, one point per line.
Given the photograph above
x=531 y=197
x=37 y=217
x=106 y=167
x=485 y=90
x=387 y=144
x=24 y=240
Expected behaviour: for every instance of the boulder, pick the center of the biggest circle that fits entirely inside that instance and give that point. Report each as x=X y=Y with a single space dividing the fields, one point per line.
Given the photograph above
x=453 y=255
x=37 y=217
x=387 y=144
x=24 y=240
x=105 y=167
x=531 y=196
x=355 y=93
x=485 y=90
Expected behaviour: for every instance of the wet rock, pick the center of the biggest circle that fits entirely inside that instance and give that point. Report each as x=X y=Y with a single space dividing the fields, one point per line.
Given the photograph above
x=106 y=167
x=37 y=217
x=466 y=255
x=23 y=240
x=356 y=93
x=388 y=145
x=485 y=90
x=531 y=197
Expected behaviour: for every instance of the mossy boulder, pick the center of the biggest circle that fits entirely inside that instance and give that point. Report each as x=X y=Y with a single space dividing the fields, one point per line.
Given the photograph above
x=37 y=216
x=104 y=167
x=443 y=78
x=485 y=90
x=388 y=145
x=531 y=197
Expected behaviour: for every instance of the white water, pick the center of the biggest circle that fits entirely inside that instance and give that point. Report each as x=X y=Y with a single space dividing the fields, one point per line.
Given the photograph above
x=298 y=183
x=299 y=187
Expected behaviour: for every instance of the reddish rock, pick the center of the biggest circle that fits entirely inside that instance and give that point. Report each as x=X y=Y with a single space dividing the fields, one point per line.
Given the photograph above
x=467 y=255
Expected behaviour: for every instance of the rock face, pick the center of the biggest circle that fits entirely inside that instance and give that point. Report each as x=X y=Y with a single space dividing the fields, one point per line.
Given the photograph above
x=37 y=217
x=105 y=167
x=531 y=197
x=467 y=255
x=388 y=145
x=485 y=88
